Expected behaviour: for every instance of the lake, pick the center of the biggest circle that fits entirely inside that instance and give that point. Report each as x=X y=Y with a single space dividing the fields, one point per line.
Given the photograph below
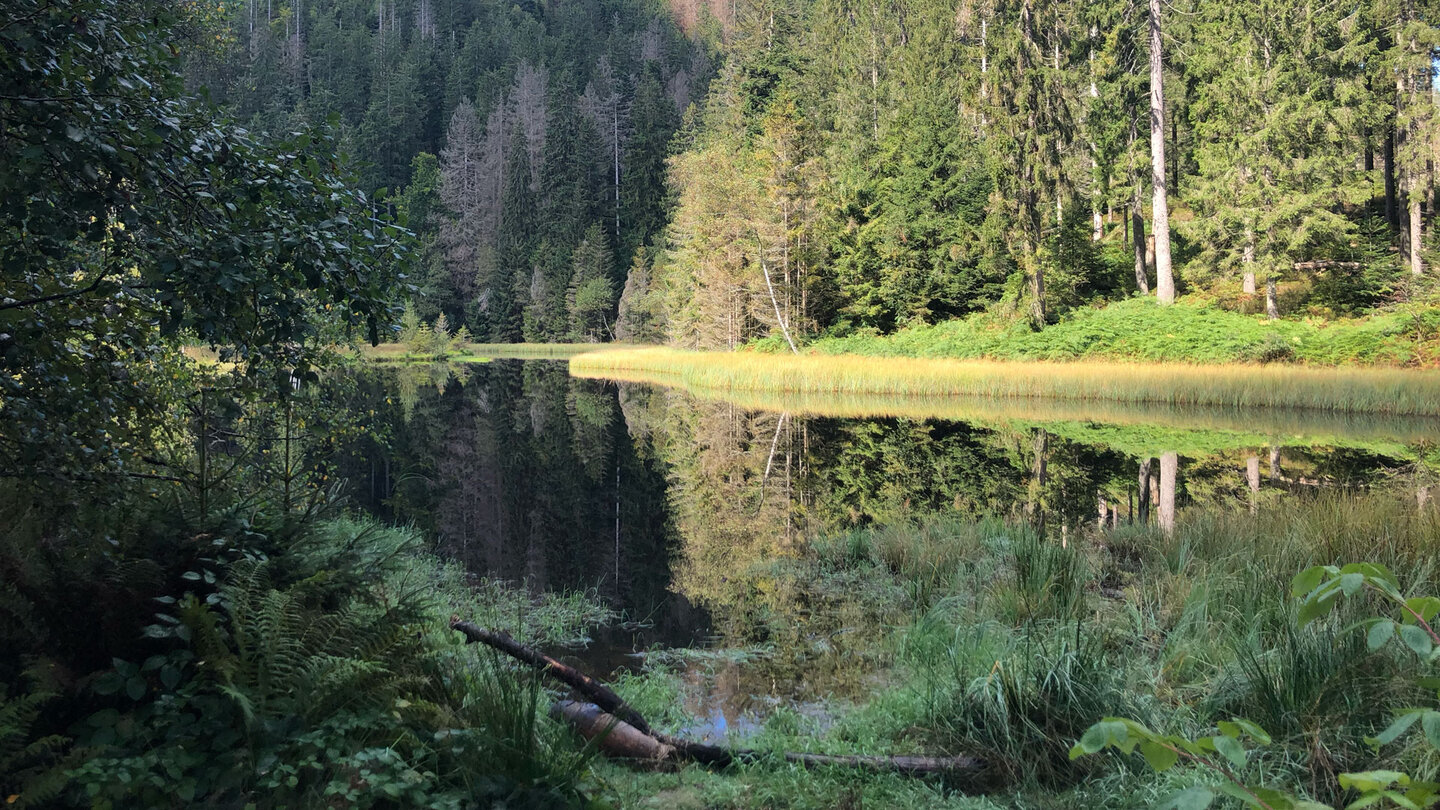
x=669 y=507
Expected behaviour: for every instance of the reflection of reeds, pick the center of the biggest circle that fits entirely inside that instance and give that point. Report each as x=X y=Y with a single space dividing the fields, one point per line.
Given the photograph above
x=1386 y=391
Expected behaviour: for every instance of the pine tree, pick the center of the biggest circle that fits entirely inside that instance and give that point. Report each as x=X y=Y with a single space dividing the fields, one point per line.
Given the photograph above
x=591 y=297
x=1274 y=126
x=639 y=318
x=462 y=195
x=504 y=288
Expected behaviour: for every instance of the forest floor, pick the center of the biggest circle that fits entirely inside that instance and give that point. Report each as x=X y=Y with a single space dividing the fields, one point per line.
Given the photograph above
x=968 y=636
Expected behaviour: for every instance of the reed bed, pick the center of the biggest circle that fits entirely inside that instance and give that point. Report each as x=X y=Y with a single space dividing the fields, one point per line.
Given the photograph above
x=1382 y=391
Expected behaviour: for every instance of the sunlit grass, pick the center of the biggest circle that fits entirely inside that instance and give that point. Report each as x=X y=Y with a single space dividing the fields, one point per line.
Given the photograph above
x=1388 y=391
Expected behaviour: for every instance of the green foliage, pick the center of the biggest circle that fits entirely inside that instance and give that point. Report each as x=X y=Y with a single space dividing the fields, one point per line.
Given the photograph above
x=326 y=674
x=30 y=771
x=1320 y=589
x=1139 y=330
x=591 y=298
x=134 y=215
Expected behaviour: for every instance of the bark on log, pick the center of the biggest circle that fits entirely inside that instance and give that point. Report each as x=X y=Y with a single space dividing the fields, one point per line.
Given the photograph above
x=623 y=733
x=616 y=737
x=600 y=694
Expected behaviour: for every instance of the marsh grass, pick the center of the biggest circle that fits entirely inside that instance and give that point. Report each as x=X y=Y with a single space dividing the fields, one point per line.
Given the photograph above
x=1385 y=391
x=1008 y=645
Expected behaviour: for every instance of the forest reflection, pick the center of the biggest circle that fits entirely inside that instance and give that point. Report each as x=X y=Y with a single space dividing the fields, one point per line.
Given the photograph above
x=673 y=508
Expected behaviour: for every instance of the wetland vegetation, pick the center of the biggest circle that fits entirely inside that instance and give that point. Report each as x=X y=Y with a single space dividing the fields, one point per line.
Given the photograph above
x=267 y=428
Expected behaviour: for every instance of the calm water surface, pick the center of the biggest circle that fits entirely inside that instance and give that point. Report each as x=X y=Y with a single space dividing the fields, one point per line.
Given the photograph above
x=664 y=505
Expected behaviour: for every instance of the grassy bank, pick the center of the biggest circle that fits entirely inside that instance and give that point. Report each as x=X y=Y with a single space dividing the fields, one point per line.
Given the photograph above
x=1387 y=391
x=1140 y=329
x=1140 y=429
x=994 y=641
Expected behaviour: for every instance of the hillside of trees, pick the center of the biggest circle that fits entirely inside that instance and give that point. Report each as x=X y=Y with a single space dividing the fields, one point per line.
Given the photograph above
x=626 y=170
x=525 y=144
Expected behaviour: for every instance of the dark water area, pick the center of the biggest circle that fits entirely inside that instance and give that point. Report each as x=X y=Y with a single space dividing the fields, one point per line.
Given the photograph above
x=664 y=506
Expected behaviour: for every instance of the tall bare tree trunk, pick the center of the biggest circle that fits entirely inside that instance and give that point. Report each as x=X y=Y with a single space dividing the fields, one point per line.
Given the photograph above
x=1143 y=507
x=1160 y=214
x=1417 y=258
x=1136 y=230
x=1272 y=301
x=1392 y=208
x=1247 y=261
x=1252 y=477
x=1142 y=271
x=1169 y=468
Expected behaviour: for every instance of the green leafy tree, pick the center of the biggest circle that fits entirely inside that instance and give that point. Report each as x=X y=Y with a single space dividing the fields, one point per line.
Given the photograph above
x=134 y=216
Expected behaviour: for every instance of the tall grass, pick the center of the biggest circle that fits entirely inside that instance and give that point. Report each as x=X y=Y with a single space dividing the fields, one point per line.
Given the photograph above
x=1386 y=391
x=1015 y=644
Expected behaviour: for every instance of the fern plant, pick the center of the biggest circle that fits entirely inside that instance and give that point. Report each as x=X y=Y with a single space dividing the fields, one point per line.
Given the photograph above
x=29 y=771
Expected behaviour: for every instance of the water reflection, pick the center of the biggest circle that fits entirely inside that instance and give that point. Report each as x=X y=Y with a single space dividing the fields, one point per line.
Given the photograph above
x=671 y=506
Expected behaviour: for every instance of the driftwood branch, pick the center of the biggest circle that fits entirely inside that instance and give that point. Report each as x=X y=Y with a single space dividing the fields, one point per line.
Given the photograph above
x=624 y=734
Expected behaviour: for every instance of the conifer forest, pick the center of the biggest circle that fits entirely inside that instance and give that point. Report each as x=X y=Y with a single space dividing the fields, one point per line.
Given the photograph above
x=700 y=404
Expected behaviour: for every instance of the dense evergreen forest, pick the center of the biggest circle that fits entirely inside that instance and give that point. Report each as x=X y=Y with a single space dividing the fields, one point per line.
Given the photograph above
x=524 y=143
x=715 y=174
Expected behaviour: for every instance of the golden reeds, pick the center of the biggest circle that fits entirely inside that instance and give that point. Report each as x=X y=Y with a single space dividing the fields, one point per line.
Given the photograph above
x=1369 y=390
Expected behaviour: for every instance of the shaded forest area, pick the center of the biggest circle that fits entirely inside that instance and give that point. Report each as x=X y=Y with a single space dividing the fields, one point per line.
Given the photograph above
x=525 y=144
x=710 y=175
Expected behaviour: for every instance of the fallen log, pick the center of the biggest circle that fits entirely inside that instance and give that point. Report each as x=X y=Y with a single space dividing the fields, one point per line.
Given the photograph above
x=620 y=740
x=598 y=693
x=614 y=736
x=623 y=733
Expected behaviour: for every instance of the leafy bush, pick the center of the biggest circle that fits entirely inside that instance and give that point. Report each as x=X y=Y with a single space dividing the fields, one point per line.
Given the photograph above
x=1320 y=590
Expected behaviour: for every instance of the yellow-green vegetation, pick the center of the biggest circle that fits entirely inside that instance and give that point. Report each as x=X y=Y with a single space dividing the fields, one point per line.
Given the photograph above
x=1140 y=429
x=995 y=641
x=1387 y=391
x=1193 y=332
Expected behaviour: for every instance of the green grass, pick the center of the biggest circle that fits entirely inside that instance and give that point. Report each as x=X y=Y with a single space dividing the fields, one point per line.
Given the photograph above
x=1140 y=329
x=1386 y=391
x=995 y=641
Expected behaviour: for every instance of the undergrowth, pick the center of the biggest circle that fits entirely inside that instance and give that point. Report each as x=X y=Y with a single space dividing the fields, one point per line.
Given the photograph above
x=1140 y=329
x=992 y=640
